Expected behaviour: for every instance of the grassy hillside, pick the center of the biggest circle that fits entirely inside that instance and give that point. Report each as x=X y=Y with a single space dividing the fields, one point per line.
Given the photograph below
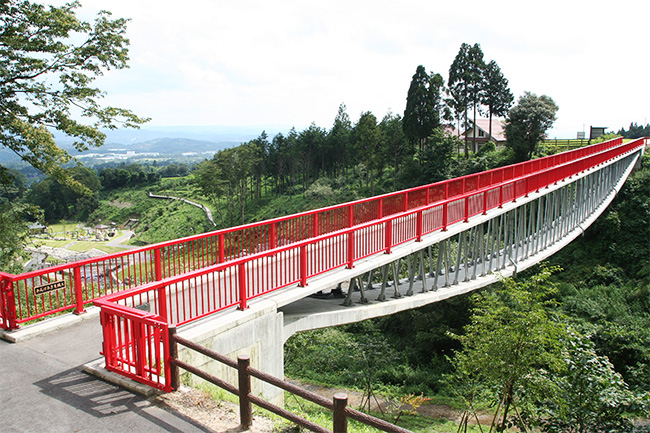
x=158 y=220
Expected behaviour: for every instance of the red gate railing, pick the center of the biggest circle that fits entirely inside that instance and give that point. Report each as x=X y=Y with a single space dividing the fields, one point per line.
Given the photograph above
x=70 y=286
x=183 y=298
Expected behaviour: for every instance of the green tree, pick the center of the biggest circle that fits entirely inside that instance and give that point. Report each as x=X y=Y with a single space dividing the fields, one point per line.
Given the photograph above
x=459 y=89
x=309 y=145
x=48 y=61
x=226 y=176
x=512 y=335
x=527 y=123
x=475 y=75
x=59 y=200
x=588 y=395
x=496 y=94
x=367 y=137
x=466 y=86
x=423 y=106
x=395 y=143
x=437 y=156
x=338 y=139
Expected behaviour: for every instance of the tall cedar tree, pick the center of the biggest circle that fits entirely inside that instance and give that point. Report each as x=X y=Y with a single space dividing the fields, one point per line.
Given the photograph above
x=496 y=93
x=475 y=76
x=423 y=106
x=459 y=88
x=338 y=140
x=466 y=83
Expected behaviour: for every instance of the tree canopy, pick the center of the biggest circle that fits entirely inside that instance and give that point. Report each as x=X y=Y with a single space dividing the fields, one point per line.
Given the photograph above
x=527 y=123
x=48 y=60
x=496 y=94
x=423 y=105
x=466 y=78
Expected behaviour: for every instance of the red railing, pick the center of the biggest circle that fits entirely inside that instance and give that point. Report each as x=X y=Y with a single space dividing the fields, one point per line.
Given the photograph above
x=183 y=298
x=72 y=285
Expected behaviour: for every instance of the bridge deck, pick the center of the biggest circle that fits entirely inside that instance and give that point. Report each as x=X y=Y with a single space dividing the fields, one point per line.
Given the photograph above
x=505 y=222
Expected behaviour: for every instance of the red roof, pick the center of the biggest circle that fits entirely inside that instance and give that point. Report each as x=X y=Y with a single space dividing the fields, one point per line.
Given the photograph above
x=498 y=128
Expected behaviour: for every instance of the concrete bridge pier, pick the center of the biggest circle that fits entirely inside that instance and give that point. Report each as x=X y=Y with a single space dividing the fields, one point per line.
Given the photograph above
x=256 y=332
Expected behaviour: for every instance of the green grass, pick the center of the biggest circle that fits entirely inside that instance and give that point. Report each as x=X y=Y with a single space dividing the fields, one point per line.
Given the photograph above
x=323 y=417
x=51 y=243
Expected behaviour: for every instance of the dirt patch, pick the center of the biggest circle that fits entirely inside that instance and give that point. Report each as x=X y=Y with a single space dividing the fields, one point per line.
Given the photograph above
x=218 y=416
x=223 y=416
x=120 y=204
x=436 y=411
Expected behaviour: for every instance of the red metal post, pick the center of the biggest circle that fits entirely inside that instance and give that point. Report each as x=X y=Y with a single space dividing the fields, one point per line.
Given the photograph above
x=78 y=291
x=222 y=252
x=350 y=239
x=485 y=202
x=157 y=264
x=242 y=286
x=139 y=346
x=418 y=226
x=314 y=228
x=380 y=208
x=163 y=336
x=466 y=208
x=445 y=208
x=3 y=311
x=8 y=299
x=350 y=250
x=389 y=235
x=405 y=204
x=303 y=265
x=162 y=304
x=500 y=196
x=106 y=321
x=272 y=236
x=527 y=189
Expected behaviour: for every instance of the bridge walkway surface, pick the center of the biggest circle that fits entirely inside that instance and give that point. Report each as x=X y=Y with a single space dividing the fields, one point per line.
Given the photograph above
x=44 y=389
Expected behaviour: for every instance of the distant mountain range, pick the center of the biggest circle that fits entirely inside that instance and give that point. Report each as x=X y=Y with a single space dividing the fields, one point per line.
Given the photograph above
x=163 y=141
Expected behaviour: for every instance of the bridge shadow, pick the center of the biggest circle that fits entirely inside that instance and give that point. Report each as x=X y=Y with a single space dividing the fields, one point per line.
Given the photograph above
x=103 y=400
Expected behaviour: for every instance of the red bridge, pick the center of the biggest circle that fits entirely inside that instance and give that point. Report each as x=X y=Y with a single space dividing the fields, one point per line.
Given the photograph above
x=144 y=291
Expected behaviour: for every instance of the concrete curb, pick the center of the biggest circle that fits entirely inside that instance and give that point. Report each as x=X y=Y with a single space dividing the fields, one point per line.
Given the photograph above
x=49 y=325
x=97 y=368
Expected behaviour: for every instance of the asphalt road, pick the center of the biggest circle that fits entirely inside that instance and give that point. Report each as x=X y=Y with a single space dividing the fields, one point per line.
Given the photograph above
x=43 y=389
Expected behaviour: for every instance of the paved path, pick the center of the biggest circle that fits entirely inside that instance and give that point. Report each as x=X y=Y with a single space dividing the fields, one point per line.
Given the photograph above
x=43 y=389
x=119 y=241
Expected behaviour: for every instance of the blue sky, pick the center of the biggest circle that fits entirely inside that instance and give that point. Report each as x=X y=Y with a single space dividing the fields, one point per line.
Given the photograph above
x=289 y=63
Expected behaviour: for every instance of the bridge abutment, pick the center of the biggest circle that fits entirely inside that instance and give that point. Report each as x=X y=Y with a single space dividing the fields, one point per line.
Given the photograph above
x=256 y=332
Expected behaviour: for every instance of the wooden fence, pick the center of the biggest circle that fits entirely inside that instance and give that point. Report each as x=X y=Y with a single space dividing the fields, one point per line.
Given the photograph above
x=338 y=404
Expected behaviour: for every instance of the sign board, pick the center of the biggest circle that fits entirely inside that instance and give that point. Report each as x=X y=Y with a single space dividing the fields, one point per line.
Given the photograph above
x=596 y=131
x=49 y=287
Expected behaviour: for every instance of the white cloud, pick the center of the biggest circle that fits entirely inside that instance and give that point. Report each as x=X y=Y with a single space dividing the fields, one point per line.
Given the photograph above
x=293 y=62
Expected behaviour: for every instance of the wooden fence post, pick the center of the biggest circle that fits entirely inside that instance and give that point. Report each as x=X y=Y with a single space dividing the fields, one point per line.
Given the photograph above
x=245 y=405
x=340 y=419
x=175 y=377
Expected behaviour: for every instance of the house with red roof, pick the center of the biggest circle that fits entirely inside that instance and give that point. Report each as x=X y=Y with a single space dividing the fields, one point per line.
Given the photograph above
x=484 y=133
